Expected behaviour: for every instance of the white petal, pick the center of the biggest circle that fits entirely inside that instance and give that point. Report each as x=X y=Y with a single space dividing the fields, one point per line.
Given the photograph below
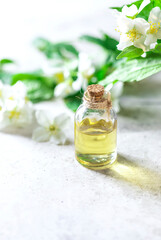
x=26 y=115
x=59 y=90
x=4 y=120
x=124 y=42
x=116 y=105
x=64 y=89
x=151 y=38
x=5 y=91
x=84 y=62
x=108 y=87
x=16 y=92
x=139 y=43
x=152 y=46
x=141 y=25
x=90 y=71
x=20 y=88
x=130 y=11
x=125 y=24
x=81 y=82
x=40 y=134
x=155 y=15
x=78 y=83
x=84 y=84
x=117 y=90
x=44 y=118
x=62 y=120
x=16 y=115
x=58 y=138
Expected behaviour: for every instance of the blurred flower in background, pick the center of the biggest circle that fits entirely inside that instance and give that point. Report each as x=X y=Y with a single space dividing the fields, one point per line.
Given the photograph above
x=85 y=72
x=16 y=109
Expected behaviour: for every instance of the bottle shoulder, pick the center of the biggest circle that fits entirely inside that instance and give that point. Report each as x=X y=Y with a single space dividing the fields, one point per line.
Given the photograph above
x=84 y=112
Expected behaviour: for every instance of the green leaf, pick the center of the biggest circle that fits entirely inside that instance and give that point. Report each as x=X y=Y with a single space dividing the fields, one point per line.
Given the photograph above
x=146 y=11
x=135 y=70
x=130 y=52
x=37 y=91
x=156 y=3
x=105 y=42
x=157 y=49
x=39 y=88
x=102 y=72
x=119 y=9
x=137 y=3
x=63 y=50
x=6 y=61
x=110 y=43
x=5 y=77
x=33 y=76
x=73 y=101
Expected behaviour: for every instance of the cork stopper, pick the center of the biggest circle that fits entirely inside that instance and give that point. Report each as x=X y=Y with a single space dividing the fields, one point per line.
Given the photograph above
x=95 y=97
x=95 y=91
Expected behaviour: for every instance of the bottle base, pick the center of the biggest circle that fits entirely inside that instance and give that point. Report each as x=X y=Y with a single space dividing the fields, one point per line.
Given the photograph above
x=96 y=161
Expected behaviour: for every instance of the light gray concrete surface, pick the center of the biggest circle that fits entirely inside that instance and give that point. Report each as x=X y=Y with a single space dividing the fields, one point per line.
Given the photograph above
x=47 y=195
x=44 y=193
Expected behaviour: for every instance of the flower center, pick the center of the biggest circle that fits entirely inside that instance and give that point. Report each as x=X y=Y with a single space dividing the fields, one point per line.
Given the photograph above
x=154 y=27
x=14 y=114
x=59 y=77
x=26 y=99
x=133 y=35
x=0 y=93
x=52 y=128
x=11 y=98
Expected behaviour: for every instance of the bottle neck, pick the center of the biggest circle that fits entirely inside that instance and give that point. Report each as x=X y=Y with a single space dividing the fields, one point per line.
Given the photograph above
x=103 y=102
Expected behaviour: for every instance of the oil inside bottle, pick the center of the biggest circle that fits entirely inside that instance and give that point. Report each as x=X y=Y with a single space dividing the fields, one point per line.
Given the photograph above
x=95 y=142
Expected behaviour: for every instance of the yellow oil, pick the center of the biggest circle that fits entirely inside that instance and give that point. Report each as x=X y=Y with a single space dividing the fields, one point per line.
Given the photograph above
x=95 y=142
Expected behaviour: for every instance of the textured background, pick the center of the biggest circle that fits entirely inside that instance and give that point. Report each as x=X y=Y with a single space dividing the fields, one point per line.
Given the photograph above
x=44 y=193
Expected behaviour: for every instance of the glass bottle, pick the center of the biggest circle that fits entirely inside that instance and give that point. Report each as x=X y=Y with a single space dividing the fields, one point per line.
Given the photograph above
x=96 y=129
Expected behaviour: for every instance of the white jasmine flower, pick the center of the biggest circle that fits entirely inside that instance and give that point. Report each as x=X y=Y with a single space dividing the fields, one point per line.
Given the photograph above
x=59 y=73
x=154 y=32
x=17 y=92
x=15 y=108
x=51 y=127
x=116 y=91
x=64 y=89
x=64 y=83
x=133 y=32
x=85 y=71
x=2 y=87
x=16 y=114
